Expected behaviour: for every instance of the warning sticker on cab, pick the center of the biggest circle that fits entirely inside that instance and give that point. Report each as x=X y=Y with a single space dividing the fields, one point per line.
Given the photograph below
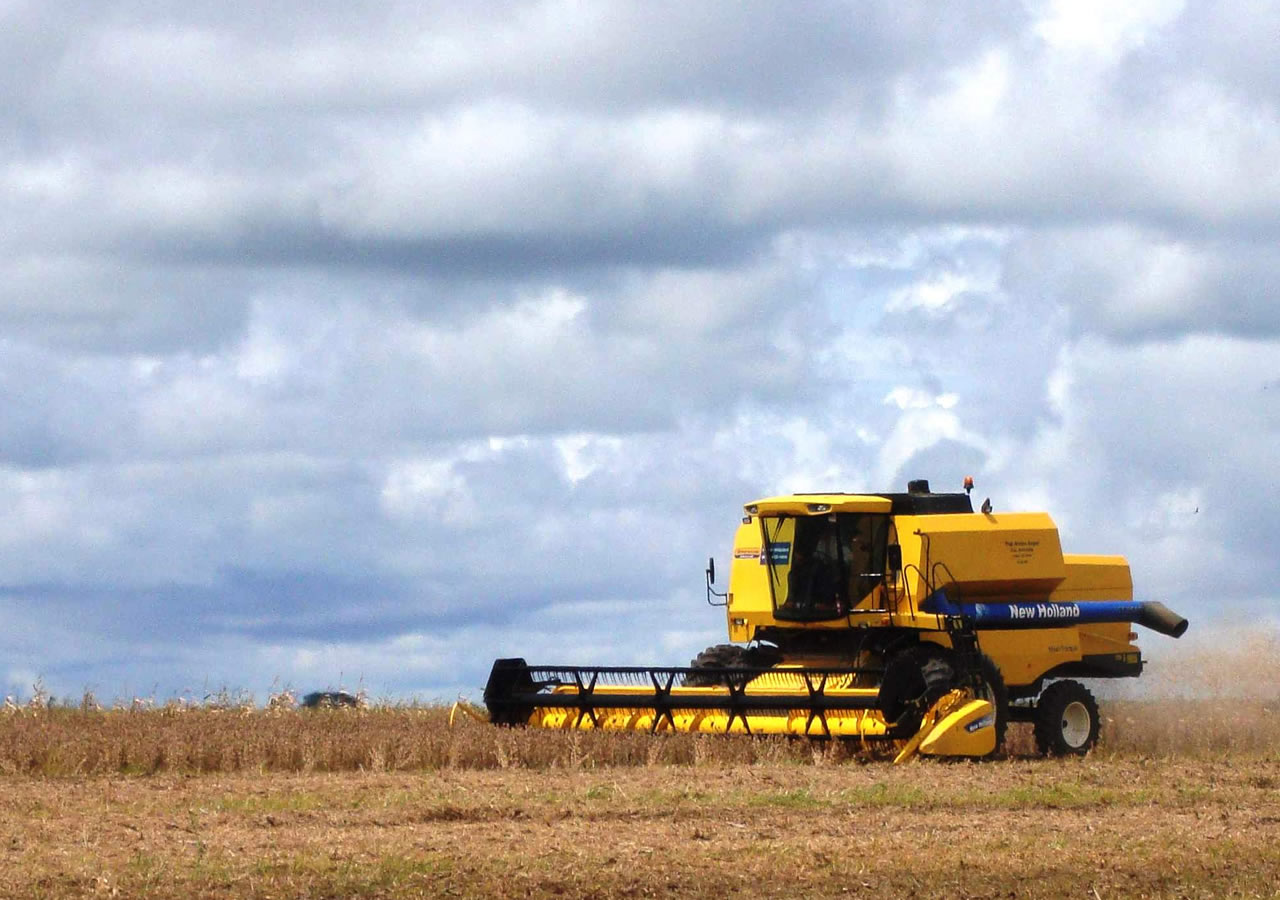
x=778 y=555
x=746 y=553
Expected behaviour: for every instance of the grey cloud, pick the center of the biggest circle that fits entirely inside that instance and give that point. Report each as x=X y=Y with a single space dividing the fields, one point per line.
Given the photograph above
x=54 y=414
x=275 y=195
x=1226 y=43
x=945 y=464
x=608 y=54
x=556 y=362
x=1136 y=284
x=348 y=378
x=522 y=542
x=87 y=304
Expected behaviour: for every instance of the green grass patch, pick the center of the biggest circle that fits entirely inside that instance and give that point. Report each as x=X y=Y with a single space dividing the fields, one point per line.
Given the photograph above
x=890 y=794
x=321 y=874
x=800 y=798
x=288 y=801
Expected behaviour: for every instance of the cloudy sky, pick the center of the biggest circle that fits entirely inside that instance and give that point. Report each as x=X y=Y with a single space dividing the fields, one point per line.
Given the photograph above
x=360 y=344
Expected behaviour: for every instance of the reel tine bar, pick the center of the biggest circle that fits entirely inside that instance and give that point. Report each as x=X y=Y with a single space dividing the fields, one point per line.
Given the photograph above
x=662 y=705
x=516 y=689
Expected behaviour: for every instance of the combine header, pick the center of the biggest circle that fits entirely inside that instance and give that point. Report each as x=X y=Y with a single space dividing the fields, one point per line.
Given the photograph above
x=881 y=617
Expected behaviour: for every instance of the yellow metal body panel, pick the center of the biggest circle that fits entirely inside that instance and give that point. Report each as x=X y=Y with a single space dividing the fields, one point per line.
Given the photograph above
x=1012 y=553
x=1094 y=578
x=750 y=600
x=1023 y=656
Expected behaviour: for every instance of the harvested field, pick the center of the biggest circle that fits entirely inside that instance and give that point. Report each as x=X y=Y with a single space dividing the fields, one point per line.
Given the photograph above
x=1079 y=828
x=1180 y=800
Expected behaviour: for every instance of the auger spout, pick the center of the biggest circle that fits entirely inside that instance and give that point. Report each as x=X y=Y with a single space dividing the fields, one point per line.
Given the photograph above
x=1161 y=619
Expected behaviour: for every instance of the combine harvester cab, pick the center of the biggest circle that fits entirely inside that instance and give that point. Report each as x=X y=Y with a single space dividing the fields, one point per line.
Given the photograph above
x=882 y=617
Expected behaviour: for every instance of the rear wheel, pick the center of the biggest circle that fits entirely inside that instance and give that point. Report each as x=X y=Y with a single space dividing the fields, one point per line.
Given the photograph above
x=1067 y=720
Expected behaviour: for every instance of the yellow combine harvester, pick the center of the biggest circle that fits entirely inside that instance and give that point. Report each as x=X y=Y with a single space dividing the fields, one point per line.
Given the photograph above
x=900 y=617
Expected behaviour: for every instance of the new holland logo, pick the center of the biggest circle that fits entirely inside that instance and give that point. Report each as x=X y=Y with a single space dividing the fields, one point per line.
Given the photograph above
x=1044 y=611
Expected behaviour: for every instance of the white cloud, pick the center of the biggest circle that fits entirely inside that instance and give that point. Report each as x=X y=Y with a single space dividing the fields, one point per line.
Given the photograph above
x=913 y=398
x=931 y=295
x=583 y=455
x=1135 y=283
x=1106 y=29
x=916 y=430
x=430 y=489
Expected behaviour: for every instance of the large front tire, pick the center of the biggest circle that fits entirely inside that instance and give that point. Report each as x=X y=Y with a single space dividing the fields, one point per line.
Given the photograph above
x=993 y=690
x=917 y=677
x=1067 y=720
x=914 y=679
x=722 y=656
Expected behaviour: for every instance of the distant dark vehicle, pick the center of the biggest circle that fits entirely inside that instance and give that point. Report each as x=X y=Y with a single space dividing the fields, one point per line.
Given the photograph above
x=330 y=700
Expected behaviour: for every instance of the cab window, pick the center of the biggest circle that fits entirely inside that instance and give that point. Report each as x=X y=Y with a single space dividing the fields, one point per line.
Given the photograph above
x=834 y=565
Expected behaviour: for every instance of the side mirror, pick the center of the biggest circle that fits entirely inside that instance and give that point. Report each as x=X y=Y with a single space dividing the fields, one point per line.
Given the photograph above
x=894 y=558
x=711 y=579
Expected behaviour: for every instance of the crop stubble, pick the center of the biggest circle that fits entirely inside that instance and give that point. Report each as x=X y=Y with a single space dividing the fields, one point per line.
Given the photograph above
x=1095 y=827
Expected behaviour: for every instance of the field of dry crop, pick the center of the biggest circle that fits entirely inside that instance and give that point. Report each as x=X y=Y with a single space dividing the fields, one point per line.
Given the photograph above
x=1181 y=799
x=207 y=802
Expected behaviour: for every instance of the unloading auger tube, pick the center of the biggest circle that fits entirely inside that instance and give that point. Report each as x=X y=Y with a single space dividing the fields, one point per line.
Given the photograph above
x=801 y=702
x=1009 y=616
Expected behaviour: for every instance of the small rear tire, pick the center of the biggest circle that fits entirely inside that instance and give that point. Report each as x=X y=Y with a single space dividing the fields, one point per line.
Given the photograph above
x=1067 y=720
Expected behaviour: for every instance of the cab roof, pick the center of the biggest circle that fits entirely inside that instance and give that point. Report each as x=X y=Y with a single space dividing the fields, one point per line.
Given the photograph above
x=816 y=504
x=899 y=504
